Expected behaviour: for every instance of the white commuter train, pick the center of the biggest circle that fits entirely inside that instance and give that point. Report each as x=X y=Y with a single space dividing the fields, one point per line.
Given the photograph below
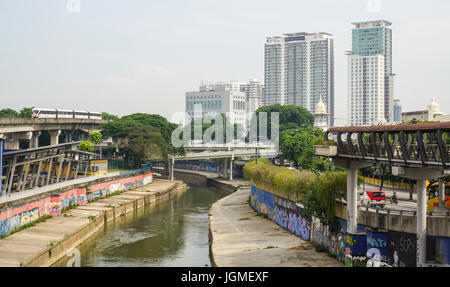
x=39 y=113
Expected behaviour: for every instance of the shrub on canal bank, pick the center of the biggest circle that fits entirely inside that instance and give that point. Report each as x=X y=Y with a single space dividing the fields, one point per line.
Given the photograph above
x=318 y=193
x=287 y=183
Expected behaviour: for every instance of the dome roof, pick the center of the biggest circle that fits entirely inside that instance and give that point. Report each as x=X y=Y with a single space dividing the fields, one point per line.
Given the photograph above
x=320 y=107
x=433 y=106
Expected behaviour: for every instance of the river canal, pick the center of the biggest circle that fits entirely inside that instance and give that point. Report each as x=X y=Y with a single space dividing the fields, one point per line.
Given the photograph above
x=172 y=233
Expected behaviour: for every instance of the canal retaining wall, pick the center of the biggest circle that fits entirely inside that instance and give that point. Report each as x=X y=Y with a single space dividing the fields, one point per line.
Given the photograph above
x=18 y=213
x=47 y=242
x=381 y=240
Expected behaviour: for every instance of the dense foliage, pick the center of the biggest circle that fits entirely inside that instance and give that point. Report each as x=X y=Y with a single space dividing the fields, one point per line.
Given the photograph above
x=109 y=117
x=290 y=117
x=298 y=137
x=291 y=184
x=86 y=146
x=318 y=193
x=298 y=146
x=142 y=144
x=142 y=137
x=95 y=137
x=323 y=194
x=23 y=113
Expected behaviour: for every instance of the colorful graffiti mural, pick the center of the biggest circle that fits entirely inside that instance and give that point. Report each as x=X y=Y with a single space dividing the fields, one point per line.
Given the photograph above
x=367 y=247
x=262 y=201
x=15 y=217
x=289 y=215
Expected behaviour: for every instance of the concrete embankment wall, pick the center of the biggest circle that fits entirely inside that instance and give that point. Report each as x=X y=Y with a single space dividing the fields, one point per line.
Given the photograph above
x=388 y=236
x=119 y=206
x=16 y=214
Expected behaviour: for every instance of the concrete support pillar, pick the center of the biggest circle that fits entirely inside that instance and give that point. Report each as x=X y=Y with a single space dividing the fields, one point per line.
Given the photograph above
x=441 y=193
x=54 y=137
x=231 y=169
x=11 y=141
x=34 y=141
x=421 y=221
x=352 y=197
x=225 y=167
x=172 y=163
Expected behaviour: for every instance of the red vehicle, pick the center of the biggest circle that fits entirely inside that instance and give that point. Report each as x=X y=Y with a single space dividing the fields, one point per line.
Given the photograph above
x=373 y=198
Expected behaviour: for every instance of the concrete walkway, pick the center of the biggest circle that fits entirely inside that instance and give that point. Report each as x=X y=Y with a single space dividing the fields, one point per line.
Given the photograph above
x=47 y=242
x=242 y=238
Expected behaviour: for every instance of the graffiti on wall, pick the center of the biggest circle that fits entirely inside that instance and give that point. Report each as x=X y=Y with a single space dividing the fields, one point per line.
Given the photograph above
x=402 y=249
x=367 y=247
x=334 y=242
x=18 y=220
x=355 y=250
x=16 y=217
x=262 y=201
x=289 y=215
x=377 y=246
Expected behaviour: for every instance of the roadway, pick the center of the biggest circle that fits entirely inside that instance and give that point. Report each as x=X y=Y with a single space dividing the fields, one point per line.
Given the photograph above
x=404 y=204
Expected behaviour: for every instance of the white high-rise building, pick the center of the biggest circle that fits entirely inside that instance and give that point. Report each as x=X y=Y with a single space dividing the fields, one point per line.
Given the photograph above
x=226 y=98
x=370 y=77
x=254 y=90
x=366 y=90
x=299 y=69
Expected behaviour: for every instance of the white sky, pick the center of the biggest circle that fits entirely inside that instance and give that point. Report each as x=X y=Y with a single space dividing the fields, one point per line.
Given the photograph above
x=132 y=56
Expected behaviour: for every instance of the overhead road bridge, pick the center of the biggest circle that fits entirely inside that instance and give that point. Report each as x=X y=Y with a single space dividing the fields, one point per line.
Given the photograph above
x=416 y=151
x=13 y=129
x=229 y=154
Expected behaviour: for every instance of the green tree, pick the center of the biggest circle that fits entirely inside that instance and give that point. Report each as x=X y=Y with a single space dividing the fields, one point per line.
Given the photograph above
x=8 y=113
x=290 y=117
x=298 y=146
x=95 y=137
x=123 y=126
x=86 y=146
x=323 y=196
x=143 y=144
x=109 y=117
x=26 y=113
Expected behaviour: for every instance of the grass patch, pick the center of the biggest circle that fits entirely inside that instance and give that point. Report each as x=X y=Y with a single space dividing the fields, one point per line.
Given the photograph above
x=92 y=217
x=65 y=209
x=270 y=247
x=115 y=193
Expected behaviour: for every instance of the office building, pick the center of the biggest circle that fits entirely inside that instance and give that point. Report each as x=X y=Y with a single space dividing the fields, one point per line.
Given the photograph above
x=370 y=77
x=227 y=98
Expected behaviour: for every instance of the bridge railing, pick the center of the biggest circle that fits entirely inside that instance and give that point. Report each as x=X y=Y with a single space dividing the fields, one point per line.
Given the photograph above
x=423 y=144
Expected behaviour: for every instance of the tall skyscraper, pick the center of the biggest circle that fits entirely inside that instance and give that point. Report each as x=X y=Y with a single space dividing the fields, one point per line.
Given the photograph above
x=299 y=69
x=370 y=77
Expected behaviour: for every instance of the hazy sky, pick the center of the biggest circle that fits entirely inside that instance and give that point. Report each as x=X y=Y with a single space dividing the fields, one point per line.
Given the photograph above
x=132 y=56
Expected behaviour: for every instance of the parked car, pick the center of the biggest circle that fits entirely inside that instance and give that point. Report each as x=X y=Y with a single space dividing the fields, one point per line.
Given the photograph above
x=373 y=198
